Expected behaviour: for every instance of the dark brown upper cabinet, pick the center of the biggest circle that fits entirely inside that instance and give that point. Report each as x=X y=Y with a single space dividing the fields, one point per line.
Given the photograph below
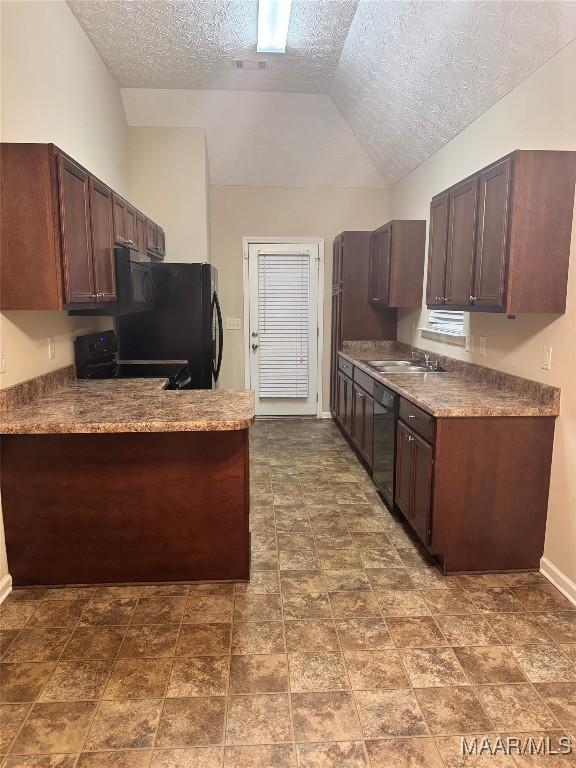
x=75 y=235
x=141 y=232
x=58 y=227
x=102 y=236
x=437 y=249
x=500 y=239
x=125 y=224
x=397 y=263
x=462 y=204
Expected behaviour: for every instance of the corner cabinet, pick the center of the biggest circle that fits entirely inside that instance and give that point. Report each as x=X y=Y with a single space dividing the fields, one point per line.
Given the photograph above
x=58 y=227
x=397 y=263
x=500 y=240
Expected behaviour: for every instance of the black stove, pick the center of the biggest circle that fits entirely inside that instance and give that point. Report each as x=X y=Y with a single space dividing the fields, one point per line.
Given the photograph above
x=96 y=358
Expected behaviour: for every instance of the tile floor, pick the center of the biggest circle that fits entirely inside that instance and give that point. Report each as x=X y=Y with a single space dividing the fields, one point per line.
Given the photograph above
x=348 y=648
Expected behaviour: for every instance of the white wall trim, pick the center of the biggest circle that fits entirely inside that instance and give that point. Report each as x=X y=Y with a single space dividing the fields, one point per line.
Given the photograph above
x=319 y=241
x=5 y=587
x=325 y=415
x=559 y=579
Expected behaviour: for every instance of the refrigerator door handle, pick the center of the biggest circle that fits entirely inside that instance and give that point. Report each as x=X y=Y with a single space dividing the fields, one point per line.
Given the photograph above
x=216 y=305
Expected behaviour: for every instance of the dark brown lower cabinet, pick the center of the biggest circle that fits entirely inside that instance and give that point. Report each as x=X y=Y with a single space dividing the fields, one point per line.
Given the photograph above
x=131 y=507
x=344 y=402
x=477 y=494
x=414 y=461
x=473 y=489
x=363 y=424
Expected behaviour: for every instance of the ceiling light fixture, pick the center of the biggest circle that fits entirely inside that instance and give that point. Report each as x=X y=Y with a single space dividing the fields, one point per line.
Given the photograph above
x=273 y=19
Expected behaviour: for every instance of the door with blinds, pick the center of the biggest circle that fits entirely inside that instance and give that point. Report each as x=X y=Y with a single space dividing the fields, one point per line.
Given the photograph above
x=283 y=328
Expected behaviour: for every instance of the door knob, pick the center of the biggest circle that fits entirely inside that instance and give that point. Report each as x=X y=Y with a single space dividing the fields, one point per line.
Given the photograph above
x=254 y=334
x=254 y=346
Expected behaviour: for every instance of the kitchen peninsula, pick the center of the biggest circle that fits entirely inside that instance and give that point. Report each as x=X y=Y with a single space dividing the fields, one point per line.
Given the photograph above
x=119 y=481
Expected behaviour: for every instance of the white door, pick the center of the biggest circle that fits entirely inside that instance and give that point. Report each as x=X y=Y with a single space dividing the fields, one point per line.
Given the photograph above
x=283 y=327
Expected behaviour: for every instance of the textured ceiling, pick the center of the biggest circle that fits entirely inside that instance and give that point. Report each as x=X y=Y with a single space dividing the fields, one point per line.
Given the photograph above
x=193 y=43
x=414 y=74
x=406 y=76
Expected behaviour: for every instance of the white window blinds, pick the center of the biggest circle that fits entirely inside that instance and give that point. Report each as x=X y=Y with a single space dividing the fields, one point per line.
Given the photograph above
x=283 y=324
x=446 y=321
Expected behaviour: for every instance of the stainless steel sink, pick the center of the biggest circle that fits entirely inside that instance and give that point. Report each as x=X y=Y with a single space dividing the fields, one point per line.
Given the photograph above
x=402 y=366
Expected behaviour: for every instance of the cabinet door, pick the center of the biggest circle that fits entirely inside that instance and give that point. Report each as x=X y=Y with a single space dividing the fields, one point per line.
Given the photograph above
x=357 y=417
x=437 y=250
x=119 y=218
x=75 y=232
x=336 y=337
x=131 y=227
x=334 y=348
x=463 y=200
x=160 y=241
x=151 y=240
x=492 y=237
x=348 y=405
x=380 y=255
x=404 y=469
x=422 y=488
x=141 y=232
x=102 y=241
x=368 y=434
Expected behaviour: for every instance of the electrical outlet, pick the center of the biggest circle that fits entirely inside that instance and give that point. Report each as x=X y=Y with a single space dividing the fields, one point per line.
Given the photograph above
x=546 y=358
x=470 y=343
x=2 y=362
x=482 y=346
x=51 y=348
x=233 y=324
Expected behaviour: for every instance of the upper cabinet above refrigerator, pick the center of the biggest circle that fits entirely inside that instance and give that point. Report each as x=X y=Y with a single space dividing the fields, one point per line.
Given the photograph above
x=500 y=240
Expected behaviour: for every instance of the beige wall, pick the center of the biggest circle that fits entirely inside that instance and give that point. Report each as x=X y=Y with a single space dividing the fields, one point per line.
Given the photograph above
x=54 y=88
x=238 y=212
x=168 y=181
x=538 y=114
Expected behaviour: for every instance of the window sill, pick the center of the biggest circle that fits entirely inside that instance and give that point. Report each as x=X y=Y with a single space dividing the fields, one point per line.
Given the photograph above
x=446 y=338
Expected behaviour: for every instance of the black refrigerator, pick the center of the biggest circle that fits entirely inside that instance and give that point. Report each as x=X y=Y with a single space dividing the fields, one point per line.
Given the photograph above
x=182 y=335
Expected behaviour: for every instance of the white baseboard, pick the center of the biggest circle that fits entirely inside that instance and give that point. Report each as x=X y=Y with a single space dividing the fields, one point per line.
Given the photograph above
x=5 y=587
x=325 y=415
x=559 y=579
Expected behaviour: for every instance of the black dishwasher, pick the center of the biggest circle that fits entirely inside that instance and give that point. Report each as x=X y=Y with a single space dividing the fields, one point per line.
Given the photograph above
x=383 y=467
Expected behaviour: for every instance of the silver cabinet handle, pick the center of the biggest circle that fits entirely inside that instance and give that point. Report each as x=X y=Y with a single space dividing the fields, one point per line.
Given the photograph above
x=472 y=299
x=411 y=416
x=410 y=439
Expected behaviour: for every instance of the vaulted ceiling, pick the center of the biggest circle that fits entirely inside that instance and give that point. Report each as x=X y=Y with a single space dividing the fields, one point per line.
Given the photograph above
x=405 y=76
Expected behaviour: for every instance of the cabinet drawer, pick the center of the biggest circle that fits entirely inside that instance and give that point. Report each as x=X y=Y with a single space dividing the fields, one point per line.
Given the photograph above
x=364 y=380
x=417 y=419
x=345 y=366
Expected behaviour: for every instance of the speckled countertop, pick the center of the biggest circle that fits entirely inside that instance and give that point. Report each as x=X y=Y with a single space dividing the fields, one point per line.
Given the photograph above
x=130 y=405
x=458 y=394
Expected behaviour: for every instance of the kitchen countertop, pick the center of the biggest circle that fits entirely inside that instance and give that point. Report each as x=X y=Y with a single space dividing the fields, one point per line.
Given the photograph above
x=452 y=394
x=130 y=405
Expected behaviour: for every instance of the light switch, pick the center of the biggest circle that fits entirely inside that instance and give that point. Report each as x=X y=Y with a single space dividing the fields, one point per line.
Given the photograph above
x=233 y=324
x=546 y=358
